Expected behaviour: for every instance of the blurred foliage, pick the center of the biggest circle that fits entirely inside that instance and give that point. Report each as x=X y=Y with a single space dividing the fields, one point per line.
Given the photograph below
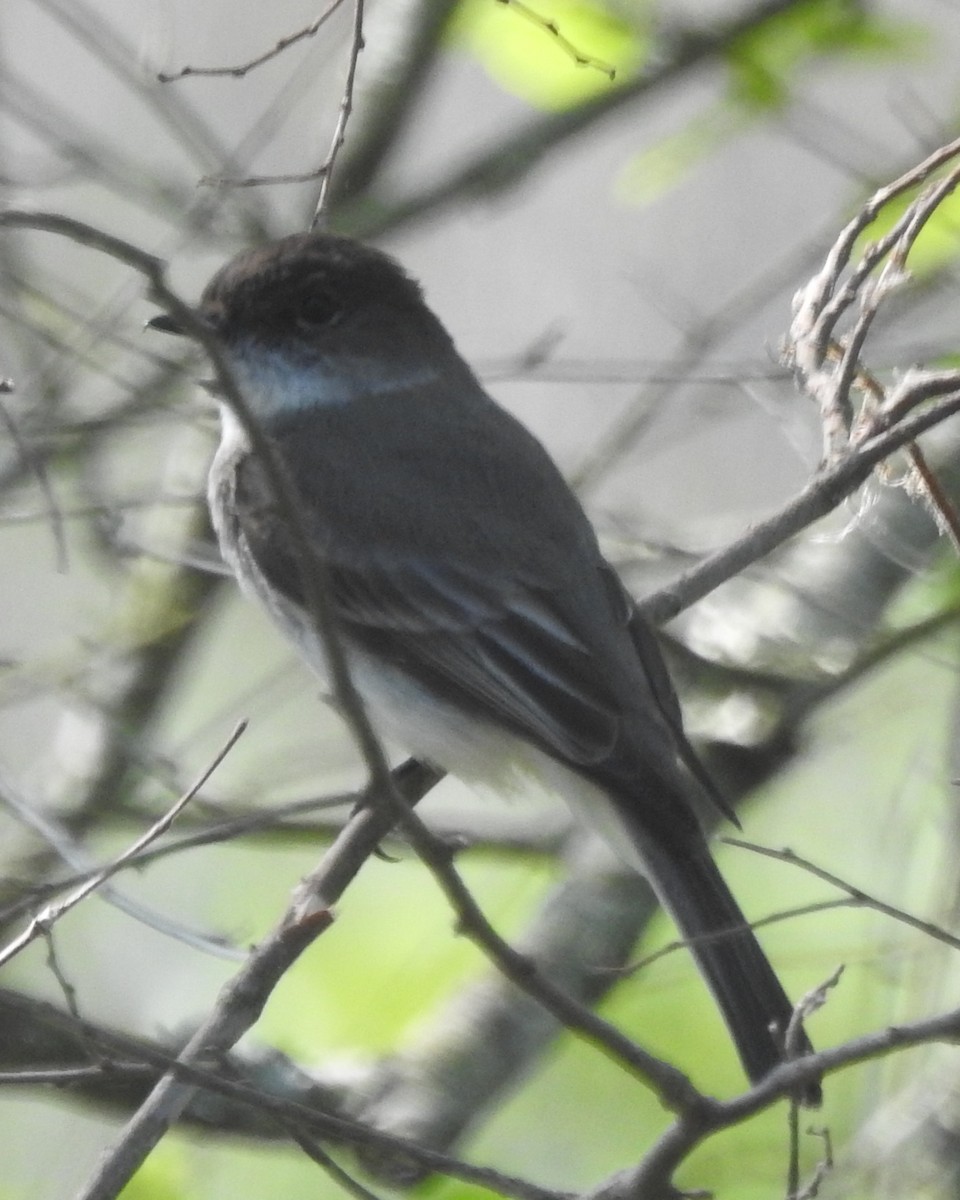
x=768 y=61
x=522 y=47
x=415 y=960
x=937 y=589
x=763 y=71
x=164 y=1176
x=524 y=55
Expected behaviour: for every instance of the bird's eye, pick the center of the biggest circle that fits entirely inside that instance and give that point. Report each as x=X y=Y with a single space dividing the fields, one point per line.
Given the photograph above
x=312 y=317
x=314 y=305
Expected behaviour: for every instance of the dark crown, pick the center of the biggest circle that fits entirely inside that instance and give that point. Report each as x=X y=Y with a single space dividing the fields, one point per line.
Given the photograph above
x=301 y=284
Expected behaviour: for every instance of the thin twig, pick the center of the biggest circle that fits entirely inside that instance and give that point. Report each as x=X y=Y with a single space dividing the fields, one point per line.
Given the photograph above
x=324 y=171
x=673 y=1088
x=314 y=1151
x=123 y=1057
x=346 y=108
x=414 y=780
x=818 y=498
x=398 y=68
x=36 y=465
x=652 y=1177
x=788 y=914
x=934 y=491
x=242 y=999
x=829 y=365
x=44 y=921
x=548 y=25
x=30 y=813
x=937 y=932
x=241 y=69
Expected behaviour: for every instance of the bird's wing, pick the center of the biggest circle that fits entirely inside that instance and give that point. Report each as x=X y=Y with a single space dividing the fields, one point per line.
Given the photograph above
x=507 y=655
x=488 y=637
x=547 y=652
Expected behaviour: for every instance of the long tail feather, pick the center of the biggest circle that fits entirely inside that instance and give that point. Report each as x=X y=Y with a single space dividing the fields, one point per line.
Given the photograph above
x=747 y=991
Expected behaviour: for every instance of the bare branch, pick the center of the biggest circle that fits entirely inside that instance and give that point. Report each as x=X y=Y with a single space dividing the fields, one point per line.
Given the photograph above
x=323 y=172
x=44 y=921
x=242 y=69
x=651 y=1179
x=36 y=466
x=126 y=1065
x=828 y=364
x=346 y=108
x=937 y=932
x=820 y=496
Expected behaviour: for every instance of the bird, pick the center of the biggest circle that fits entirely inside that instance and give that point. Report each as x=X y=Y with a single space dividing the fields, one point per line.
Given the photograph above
x=482 y=627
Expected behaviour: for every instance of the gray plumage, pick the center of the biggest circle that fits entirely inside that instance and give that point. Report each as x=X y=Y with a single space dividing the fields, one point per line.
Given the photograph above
x=483 y=627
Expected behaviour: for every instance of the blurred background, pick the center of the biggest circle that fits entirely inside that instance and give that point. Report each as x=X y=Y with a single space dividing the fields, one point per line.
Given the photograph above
x=617 y=259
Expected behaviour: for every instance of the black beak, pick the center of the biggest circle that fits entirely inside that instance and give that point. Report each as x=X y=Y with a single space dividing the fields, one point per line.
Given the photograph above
x=164 y=323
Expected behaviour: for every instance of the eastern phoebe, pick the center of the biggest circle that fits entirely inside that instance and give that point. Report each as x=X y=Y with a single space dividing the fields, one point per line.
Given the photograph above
x=482 y=626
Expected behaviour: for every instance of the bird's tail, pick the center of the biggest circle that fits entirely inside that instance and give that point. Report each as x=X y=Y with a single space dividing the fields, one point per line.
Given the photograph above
x=748 y=993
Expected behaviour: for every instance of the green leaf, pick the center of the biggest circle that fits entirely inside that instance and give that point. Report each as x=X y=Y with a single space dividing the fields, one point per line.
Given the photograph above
x=552 y=53
x=765 y=61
